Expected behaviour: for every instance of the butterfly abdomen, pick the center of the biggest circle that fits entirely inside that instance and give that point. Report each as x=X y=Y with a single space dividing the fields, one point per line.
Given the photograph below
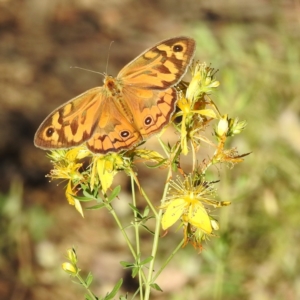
x=114 y=89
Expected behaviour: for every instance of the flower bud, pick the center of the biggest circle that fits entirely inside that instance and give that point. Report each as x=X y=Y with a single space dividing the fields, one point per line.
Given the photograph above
x=70 y=268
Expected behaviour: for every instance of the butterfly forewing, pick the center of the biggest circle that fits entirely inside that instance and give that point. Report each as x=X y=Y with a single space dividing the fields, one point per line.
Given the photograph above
x=72 y=123
x=161 y=66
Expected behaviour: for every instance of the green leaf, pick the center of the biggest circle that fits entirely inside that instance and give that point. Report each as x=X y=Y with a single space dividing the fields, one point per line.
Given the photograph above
x=166 y=147
x=84 y=199
x=157 y=165
x=126 y=264
x=135 y=209
x=116 y=288
x=156 y=287
x=89 y=279
x=116 y=191
x=135 y=271
x=146 y=211
x=145 y=227
x=146 y=260
x=95 y=207
x=88 y=194
x=87 y=297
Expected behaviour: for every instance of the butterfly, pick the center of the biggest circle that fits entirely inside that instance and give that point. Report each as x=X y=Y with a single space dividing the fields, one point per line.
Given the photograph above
x=127 y=109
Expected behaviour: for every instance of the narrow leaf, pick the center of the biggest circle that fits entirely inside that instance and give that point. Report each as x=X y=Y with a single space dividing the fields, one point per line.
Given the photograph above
x=156 y=287
x=146 y=211
x=145 y=227
x=87 y=194
x=146 y=260
x=84 y=199
x=135 y=271
x=135 y=209
x=116 y=288
x=157 y=165
x=95 y=207
x=126 y=264
x=116 y=191
x=89 y=279
x=87 y=297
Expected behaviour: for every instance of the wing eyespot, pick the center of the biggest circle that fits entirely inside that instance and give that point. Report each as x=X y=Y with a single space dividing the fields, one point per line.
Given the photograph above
x=148 y=121
x=49 y=132
x=125 y=134
x=178 y=48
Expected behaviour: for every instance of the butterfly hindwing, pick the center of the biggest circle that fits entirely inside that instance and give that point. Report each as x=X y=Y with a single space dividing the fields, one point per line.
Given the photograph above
x=114 y=132
x=155 y=110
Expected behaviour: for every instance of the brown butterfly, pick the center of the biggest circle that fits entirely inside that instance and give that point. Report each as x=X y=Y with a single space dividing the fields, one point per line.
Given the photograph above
x=125 y=110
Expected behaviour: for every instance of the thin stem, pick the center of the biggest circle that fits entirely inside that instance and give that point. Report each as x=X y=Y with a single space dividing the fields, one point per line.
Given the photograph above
x=137 y=237
x=82 y=281
x=194 y=156
x=168 y=260
x=134 y=254
x=163 y=146
x=156 y=240
x=148 y=201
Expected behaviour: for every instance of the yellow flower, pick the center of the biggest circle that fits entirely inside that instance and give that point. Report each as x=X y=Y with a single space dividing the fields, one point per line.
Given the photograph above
x=188 y=201
x=198 y=216
x=71 y=197
x=190 y=210
x=150 y=156
x=185 y=200
x=222 y=127
x=173 y=212
x=66 y=166
x=70 y=268
x=202 y=82
x=229 y=127
x=226 y=128
x=72 y=256
x=105 y=167
x=193 y=105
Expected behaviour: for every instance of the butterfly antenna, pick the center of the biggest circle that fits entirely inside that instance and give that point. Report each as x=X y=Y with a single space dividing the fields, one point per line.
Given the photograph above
x=108 y=56
x=88 y=70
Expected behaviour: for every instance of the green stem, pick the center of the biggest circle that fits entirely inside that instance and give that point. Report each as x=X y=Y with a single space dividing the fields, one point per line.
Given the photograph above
x=134 y=254
x=148 y=202
x=194 y=156
x=168 y=260
x=156 y=240
x=163 y=146
x=82 y=281
x=137 y=237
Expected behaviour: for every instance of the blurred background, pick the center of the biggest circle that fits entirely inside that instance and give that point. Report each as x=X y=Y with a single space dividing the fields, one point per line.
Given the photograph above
x=256 y=47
